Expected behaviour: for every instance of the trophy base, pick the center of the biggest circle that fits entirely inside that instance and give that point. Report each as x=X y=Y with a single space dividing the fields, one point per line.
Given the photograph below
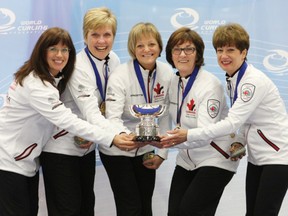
x=146 y=138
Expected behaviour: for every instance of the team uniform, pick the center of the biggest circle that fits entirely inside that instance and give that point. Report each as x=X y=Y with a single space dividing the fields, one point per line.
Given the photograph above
x=69 y=170
x=132 y=183
x=26 y=123
x=203 y=168
x=261 y=111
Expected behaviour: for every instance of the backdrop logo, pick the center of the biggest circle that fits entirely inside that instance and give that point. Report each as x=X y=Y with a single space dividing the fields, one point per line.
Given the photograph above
x=9 y=25
x=185 y=17
x=7 y=19
x=277 y=61
x=209 y=26
x=31 y=26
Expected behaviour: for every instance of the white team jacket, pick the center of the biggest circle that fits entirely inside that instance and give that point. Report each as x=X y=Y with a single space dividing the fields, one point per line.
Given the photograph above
x=83 y=98
x=262 y=111
x=204 y=104
x=27 y=120
x=124 y=90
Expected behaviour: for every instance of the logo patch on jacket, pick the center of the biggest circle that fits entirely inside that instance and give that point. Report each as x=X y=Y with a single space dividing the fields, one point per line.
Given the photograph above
x=247 y=92
x=159 y=90
x=191 y=111
x=213 y=107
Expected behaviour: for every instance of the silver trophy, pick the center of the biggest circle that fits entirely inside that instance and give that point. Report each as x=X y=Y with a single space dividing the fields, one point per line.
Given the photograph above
x=148 y=128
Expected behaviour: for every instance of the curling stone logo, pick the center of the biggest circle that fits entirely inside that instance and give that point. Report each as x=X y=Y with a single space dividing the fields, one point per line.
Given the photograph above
x=185 y=17
x=276 y=62
x=7 y=19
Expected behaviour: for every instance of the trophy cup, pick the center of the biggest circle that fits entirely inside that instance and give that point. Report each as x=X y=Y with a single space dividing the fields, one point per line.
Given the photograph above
x=147 y=129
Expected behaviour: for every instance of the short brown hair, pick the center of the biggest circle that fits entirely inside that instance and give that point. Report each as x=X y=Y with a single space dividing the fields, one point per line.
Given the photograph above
x=181 y=36
x=38 y=60
x=231 y=34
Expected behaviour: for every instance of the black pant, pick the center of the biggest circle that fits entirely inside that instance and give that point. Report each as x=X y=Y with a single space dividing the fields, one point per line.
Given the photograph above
x=18 y=194
x=132 y=184
x=266 y=187
x=69 y=184
x=197 y=192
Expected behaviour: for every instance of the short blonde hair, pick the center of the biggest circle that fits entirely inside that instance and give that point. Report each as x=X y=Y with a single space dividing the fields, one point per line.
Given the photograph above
x=139 y=30
x=98 y=17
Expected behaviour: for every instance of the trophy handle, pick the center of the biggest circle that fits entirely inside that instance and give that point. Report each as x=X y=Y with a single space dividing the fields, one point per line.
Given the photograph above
x=147 y=109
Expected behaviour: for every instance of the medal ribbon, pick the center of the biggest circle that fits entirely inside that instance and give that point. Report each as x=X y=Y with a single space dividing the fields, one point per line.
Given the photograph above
x=151 y=93
x=186 y=90
x=141 y=81
x=98 y=78
x=239 y=77
x=106 y=76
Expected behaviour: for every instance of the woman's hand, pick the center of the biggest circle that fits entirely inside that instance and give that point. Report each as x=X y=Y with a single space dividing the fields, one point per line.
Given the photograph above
x=153 y=162
x=174 y=137
x=125 y=142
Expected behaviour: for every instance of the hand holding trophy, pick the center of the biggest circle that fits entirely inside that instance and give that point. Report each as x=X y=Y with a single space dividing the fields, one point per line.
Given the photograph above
x=148 y=129
x=82 y=143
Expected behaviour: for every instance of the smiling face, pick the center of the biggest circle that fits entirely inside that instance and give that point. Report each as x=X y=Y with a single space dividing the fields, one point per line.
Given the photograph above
x=57 y=58
x=230 y=58
x=100 y=41
x=184 y=63
x=147 y=51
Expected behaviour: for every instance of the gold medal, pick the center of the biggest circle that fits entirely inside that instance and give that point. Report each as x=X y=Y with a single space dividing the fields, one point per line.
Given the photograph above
x=148 y=155
x=177 y=127
x=79 y=140
x=102 y=108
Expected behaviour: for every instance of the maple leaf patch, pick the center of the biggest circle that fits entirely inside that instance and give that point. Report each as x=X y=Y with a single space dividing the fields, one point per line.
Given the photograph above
x=158 y=89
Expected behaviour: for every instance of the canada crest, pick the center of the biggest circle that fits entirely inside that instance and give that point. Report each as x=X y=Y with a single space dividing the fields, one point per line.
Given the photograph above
x=247 y=92
x=213 y=107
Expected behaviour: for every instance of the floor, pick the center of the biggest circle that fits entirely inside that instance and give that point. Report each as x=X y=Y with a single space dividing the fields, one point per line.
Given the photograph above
x=232 y=201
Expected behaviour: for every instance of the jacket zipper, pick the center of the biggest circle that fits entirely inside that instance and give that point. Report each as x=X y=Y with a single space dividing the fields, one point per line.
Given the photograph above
x=60 y=134
x=221 y=151
x=26 y=152
x=267 y=140
x=188 y=155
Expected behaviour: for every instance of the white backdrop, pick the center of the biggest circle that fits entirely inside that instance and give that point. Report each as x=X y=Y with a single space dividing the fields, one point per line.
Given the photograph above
x=21 y=23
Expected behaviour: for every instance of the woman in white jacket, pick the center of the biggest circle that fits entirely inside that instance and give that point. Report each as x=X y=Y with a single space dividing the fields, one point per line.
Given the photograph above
x=258 y=107
x=27 y=119
x=142 y=80
x=196 y=99
x=68 y=169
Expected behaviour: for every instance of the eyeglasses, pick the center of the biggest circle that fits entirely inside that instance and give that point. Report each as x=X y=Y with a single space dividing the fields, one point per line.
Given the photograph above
x=54 y=50
x=187 y=50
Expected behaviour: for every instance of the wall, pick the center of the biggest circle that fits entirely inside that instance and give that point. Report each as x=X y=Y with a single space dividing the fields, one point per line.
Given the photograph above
x=21 y=23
